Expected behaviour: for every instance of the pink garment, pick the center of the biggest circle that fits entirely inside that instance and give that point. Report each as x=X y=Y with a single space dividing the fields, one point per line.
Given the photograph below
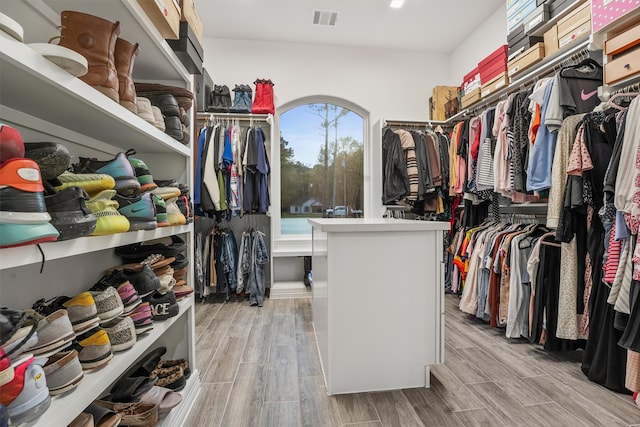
x=579 y=159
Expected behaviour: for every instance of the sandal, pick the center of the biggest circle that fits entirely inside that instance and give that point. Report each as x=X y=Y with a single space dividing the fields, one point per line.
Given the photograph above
x=177 y=362
x=148 y=362
x=133 y=414
x=171 y=378
x=103 y=417
x=165 y=399
x=130 y=389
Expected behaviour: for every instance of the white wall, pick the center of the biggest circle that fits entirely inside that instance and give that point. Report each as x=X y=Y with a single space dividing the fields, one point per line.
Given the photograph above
x=484 y=40
x=387 y=83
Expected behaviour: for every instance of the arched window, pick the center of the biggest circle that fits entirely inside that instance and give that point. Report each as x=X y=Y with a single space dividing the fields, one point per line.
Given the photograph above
x=321 y=162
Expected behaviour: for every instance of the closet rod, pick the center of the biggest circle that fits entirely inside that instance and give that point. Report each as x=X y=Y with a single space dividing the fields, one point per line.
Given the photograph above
x=400 y=123
x=239 y=116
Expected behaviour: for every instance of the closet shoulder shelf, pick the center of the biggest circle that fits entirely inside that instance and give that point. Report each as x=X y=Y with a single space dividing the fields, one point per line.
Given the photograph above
x=25 y=255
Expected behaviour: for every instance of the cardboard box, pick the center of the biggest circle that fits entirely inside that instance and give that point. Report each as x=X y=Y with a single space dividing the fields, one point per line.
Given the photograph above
x=574 y=19
x=439 y=98
x=551 y=45
x=493 y=65
x=523 y=44
x=471 y=81
x=189 y=14
x=530 y=57
x=517 y=15
x=578 y=33
x=165 y=15
x=622 y=41
x=494 y=84
x=472 y=97
x=187 y=49
x=536 y=19
x=623 y=66
x=556 y=7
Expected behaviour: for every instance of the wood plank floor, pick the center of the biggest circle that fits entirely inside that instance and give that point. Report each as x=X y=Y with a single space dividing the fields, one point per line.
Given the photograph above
x=260 y=367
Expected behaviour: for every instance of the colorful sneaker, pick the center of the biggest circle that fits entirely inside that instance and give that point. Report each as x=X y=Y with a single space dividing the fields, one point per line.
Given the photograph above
x=139 y=210
x=94 y=348
x=63 y=371
x=121 y=332
x=108 y=304
x=70 y=214
x=181 y=290
x=142 y=318
x=166 y=192
x=6 y=368
x=119 y=168
x=161 y=211
x=26 y=397
x=176 y=217
x=11 y=143
x=55 y=332
x=53 y=158
x=81 y=309
x=127 y=293
x=163 y=306
x=105 y=209
x=142 y=174
x=184 y=188
x=24 y=218
x=186 y=207
x=92 y=183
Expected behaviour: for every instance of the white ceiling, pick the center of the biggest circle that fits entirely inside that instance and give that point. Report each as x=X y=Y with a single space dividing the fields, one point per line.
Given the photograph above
x=422 y=25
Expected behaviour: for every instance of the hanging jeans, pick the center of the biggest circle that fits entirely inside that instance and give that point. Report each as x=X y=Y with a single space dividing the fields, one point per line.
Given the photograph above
x=259 y=257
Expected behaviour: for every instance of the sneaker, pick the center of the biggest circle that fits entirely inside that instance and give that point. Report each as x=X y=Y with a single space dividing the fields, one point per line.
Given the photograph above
x=119 y=168
x=142 y=318
x=109 y=220
x=70 y=214
x=108 y=303
x=55 y=332
x=176 y=217
x=121 y=332
x=166 y=192
x=129 y=297
x=6 y=368
x=181 y=290
x=26 y=397
x=158 y=118
x=81 y=309
x=161 y=211
x=63 y=371
x=139 y=210
x=144 y=109
x=167 y=246
x=18 y=332
x=11 y=143
x=163 y=306
x=53 y=158
x=184 y=188
x=186 y=207
x=144 y=280
x=92 y=183
x=142 y=174
x=167 y=281
x=180 y=262
x=24 y=218
x=94 y=348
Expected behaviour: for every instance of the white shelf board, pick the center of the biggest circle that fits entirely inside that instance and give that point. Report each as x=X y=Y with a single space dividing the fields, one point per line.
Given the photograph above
x=35 y=87
x=156 y=60
x=24 y=255
x=66 y=407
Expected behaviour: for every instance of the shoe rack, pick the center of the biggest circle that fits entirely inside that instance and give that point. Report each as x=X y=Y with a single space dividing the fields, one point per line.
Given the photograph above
x=45 y=103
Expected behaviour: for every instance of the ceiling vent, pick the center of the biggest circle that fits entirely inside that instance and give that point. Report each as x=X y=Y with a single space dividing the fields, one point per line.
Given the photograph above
x=325 y=17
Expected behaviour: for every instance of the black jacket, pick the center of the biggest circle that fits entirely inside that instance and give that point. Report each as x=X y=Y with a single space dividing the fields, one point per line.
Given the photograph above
x=395 y=180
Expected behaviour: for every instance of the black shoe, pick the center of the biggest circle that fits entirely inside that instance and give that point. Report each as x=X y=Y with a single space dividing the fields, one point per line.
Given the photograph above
x=144 y=281
x=186 y=208
x=70 y=214
x=180 y=262
x=167 y=104
x=173 y=127
x=167 y=246
x=163 y=306
x=52 y=158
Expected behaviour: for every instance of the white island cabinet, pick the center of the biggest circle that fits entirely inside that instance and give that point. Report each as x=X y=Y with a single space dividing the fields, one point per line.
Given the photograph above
x=378 y=302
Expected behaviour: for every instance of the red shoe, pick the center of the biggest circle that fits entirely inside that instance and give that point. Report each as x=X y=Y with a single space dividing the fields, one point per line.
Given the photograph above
x=11 y=144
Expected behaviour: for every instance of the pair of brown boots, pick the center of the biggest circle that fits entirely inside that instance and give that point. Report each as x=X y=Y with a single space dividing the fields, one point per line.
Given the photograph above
x=110 y=58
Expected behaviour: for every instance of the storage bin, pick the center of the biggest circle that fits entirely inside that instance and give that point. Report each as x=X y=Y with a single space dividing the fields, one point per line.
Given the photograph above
x=440 y=95
x=494 y=84
x=165 y=15
x=471 y=97
x=530 y=57
x=493 y=65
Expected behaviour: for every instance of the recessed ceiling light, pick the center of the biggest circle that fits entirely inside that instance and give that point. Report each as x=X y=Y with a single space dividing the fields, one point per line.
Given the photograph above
x=396 y=4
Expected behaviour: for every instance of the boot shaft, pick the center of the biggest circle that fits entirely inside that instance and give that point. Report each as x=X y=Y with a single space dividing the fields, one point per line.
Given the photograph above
x=124 y=57
x=95 y=39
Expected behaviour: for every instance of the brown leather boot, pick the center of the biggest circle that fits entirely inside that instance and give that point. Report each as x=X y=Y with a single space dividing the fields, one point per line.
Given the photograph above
x=124 y=55
x=95 y=39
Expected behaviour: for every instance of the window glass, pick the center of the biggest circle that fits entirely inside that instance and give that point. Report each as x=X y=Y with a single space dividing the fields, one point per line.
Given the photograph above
x=321 y=165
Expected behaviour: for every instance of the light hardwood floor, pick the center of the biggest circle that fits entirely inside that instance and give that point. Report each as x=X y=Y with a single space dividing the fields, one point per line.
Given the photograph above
x=260 y=367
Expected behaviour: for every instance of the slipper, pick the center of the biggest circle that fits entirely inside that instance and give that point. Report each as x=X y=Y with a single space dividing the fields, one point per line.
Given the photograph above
x=155 y=261
x=103 y=417
x=172 y=378
x=164 y=398
x=148 y=362
x=177 y=362
x=129 y=389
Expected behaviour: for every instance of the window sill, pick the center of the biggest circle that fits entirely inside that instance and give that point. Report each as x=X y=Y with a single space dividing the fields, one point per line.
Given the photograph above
x=291 y=247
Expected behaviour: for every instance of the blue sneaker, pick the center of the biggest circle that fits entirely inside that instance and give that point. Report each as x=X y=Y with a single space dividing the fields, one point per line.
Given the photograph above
x=119 y=168
x=139 y=210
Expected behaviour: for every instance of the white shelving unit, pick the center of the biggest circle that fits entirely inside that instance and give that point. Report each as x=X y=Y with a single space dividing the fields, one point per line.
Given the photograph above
x=45 y=103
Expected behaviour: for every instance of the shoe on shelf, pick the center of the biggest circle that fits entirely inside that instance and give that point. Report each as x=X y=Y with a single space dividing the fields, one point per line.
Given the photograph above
x=184 y=188
x=167 y=103
x=126 y=291
x=172 y=363
x=53 y=158
x=142 y=318
x=121 y=332
x=139 y=210
x=168 y=246
x=133 y=414
x=172 y=377
x=63 y=371
x=161 y=211
x=143 y=174
x=6 y=368
x=166 y=192
x=186 y=207
x=24 y=219
x=181 y=290
x=26 y=397
x=85 y=419
x=158 y=118
x=18 y=332
x=119 y=168
x=164 y=398
x=143 y=280
x=92 y=183
x=143 y=106
x=11 y=143
x=108 y=304
x=81 y=310
x=176 y=217
x=93 y=347
x=109 y=220
x=167 y=281
x=55 y=332
x=163 y=306
x=70 y=214
x=124 y=55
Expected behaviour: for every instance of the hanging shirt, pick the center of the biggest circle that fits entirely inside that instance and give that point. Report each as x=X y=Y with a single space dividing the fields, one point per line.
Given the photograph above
x=539 y=170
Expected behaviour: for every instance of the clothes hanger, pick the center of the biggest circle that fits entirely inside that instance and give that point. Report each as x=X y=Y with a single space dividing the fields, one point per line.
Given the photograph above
x=587 y=62
x=619 y=95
